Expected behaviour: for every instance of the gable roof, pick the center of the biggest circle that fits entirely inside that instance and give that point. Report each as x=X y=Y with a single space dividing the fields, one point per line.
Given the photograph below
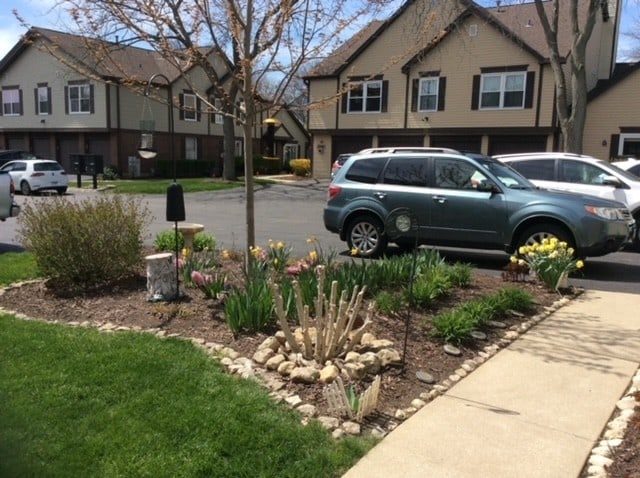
x=518 y=22
x=620 y=72
x=106 y=60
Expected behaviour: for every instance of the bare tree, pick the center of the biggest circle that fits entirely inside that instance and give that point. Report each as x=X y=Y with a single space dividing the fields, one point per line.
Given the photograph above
x=571 y=84
x=238 y=44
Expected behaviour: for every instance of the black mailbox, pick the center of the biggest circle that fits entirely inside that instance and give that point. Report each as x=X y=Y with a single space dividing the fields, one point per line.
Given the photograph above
x=86 y=164
x=77 y=163
x=93 y=164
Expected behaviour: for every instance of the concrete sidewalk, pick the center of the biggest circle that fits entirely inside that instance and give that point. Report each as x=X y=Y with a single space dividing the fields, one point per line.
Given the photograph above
x=535 y=409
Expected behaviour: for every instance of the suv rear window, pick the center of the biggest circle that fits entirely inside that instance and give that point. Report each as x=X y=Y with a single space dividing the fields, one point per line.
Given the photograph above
x=366 y=170
x=541 y=169
x=406 y=171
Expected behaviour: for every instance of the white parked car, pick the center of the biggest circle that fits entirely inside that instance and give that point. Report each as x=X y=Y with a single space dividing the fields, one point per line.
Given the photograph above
x=632 y=165
x=578 y=173
x=35 y=175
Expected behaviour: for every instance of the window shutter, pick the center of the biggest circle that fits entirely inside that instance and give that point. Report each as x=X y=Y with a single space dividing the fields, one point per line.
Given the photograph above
x=49 y=101
x=344 y=99
x=20 y=109
x=198 y=108
x=442 y=89
x=475 y=92
x=528 y=95
x=66 y=100
x=415 y=84
x=181 y=114
x=613 y=145
x=36 y=102
x=92 y=106
x=385 y=94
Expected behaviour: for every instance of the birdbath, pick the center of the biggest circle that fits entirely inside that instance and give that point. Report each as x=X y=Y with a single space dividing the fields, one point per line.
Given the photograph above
x=189 y=230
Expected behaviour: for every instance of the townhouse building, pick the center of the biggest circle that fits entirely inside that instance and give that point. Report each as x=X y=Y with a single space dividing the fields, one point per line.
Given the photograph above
x=60 y=99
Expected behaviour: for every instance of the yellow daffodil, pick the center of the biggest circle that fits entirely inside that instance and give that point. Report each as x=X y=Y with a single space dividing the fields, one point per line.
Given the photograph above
x=579 y=264
x=225 y=254
x=185 y=252
x=513 y=259
x=280 y=245
x=355 y=251
x=521 y=262
x=313 y=256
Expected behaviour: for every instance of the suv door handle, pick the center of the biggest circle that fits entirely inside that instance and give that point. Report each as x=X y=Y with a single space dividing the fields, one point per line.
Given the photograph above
x=439 y=199
x=380 y=195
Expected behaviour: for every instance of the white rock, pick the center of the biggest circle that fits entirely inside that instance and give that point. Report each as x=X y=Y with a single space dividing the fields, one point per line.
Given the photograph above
x=274 y=362
x=352 y=357
x=626 y=403
x=262 y=355
x=355 y=371
x=417 y=403
x=330 y=423
x=293 y=400
x=337 y=433
x=329 y=373
x=598 y=460
x=285 y=368
x=307 y=410
x=351 y=428
x=389 y=356
x=379 y=344
x=270 y=343
x=367 y=338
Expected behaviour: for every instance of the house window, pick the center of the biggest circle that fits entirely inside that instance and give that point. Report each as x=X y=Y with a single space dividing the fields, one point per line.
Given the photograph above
x=365 y=97
x=43 y=100
x=503 y=90
x=190 y=148
x=428 y=96
x=79 y=99
x=189 y=103
x=11 y=102
x=629 y=145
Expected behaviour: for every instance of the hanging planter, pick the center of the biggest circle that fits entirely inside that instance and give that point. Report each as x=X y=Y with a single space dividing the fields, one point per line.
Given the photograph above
x=147 y=127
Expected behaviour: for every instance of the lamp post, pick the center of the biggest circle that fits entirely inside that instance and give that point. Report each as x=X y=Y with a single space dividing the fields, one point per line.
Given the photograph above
x=175 y=198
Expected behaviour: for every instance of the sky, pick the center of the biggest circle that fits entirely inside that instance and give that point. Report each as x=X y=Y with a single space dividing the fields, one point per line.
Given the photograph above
x=43 y=13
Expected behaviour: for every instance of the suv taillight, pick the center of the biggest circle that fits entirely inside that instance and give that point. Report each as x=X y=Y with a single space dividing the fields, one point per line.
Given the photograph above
x=12 y=187
x=334 y=191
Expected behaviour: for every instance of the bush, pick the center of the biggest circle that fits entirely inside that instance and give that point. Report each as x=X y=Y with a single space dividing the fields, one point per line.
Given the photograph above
x=300 y=167
x=110 y=173
x=165 y=241
x=83 y=244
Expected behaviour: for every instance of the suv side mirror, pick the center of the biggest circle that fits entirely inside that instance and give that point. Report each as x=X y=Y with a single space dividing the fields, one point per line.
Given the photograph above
x=487 y=186
x=611 y=181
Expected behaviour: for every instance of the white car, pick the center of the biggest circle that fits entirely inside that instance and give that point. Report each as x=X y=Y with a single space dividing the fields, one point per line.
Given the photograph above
x=580 y=174
x=35 y=175
x=632 y=165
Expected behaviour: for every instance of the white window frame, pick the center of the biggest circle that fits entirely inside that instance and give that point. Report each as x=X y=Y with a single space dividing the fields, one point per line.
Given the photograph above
x=422 y=93
x=11 y=105
x=191 y=148
x=190 y=110
x=631 y=137
x=43 y=99
x=365 y=97
x=77 y=105
x=502 y=90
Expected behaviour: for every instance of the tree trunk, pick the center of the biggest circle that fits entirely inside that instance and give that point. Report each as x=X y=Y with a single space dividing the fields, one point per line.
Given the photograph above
x=229 y=159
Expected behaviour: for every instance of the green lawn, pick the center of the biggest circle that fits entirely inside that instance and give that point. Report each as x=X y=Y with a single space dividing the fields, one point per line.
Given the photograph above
x=76 y=402
x=17 y=266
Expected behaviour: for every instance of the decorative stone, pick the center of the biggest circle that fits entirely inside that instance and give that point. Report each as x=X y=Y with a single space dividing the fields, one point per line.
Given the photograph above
x=417 y=403
x=270 y=343
x=274 y=362
x=355 y=370
x=352 y=357
x=307 y=410
x=161 y=277
x=337 y=433
x=371 y=362
x=497 y=324
x=367 y=338
x=461 y=372
x=478 y=335
x=329 y=373
x=262 y=355
x=351 y=428
x=425 y=377
x=389 y=357
x=304 y=375
x=293 y=400
x=379 y=344
x=452 y=350
x=285 y=368
x=330 y=423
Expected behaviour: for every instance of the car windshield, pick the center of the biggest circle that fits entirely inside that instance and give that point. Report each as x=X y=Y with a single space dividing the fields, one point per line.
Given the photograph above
x=505 y=174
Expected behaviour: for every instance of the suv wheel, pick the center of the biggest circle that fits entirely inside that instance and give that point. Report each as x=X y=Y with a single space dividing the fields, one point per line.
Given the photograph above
x=366 y=234
x=535 y=234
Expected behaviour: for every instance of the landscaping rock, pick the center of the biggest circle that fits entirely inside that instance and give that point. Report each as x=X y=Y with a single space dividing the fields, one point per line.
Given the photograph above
x=305 y=375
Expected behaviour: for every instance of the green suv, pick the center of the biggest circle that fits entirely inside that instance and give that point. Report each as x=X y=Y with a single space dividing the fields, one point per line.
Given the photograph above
x=449 y=199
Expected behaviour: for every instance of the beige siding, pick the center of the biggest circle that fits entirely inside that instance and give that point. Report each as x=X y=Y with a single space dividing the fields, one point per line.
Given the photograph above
x=324 y=104
x=612 y=110
x=33 y=67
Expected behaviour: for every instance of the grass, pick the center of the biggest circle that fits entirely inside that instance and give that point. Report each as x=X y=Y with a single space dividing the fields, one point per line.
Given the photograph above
x=76 y=402
x=17 y=266
x=159 y=186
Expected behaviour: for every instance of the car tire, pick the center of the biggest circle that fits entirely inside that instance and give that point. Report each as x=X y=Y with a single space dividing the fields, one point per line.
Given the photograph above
x=61 y=191
x=366 y=235
x=539 y=232
x=25 y=189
